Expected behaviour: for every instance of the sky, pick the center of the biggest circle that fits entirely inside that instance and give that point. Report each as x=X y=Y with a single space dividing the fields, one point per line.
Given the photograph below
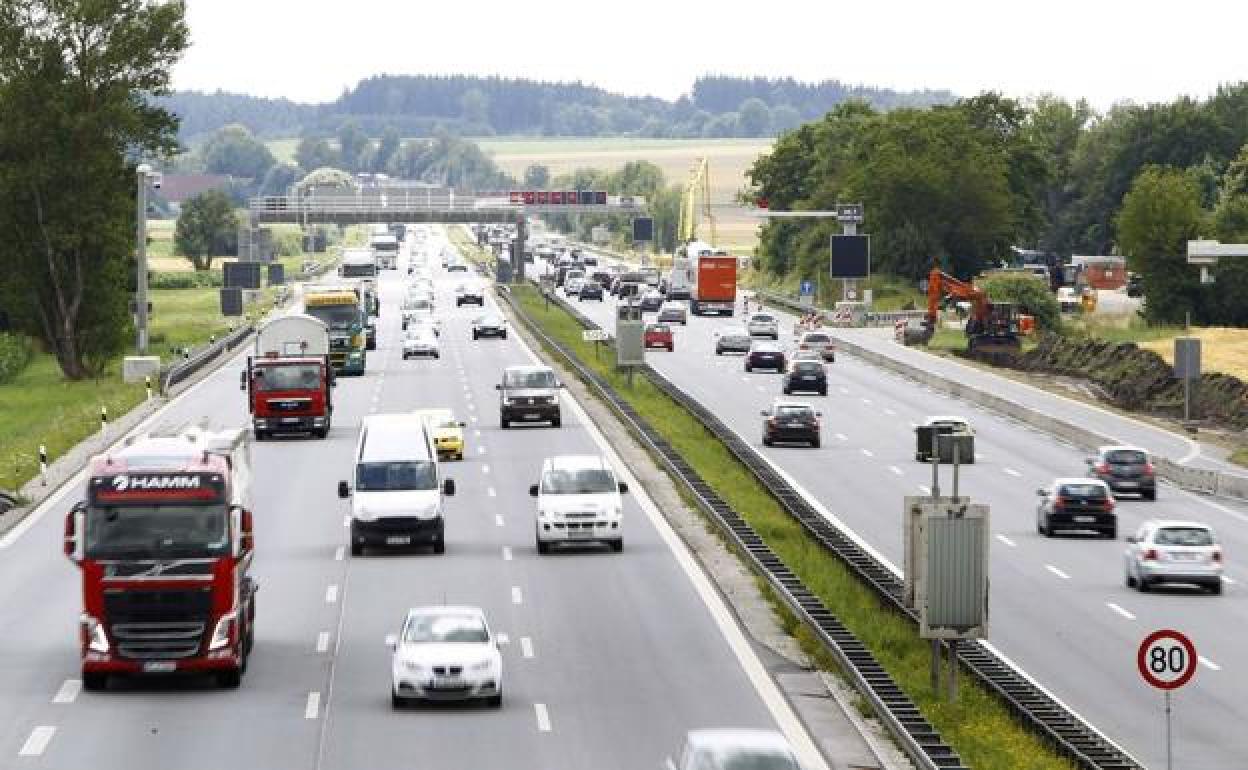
x=1106 y=51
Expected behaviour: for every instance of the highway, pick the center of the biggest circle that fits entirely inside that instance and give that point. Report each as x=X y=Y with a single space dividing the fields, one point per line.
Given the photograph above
x=1059 y=607
x=609 y=658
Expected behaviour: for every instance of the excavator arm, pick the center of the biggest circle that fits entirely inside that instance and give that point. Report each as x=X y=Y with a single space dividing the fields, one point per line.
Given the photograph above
x=940 y=285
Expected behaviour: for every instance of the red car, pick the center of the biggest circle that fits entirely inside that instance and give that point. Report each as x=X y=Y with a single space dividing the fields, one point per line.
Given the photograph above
x=659 y=336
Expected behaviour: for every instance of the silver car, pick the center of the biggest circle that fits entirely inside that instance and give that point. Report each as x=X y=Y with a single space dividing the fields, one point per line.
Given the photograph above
x=1174 y=552
x=445 y=653
x=673 y=313
x=732 y=340
x=732 y=749
x=763 y=325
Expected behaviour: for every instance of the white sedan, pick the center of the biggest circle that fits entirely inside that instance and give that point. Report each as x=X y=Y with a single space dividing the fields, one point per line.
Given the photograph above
x=420 y=340
x=446 y=653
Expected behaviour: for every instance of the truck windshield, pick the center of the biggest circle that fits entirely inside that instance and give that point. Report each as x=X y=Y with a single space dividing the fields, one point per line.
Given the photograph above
x=336 y=316
x=583 y=481
x=288 y=377
x=141 y=531
x=386 y=477
x=353 y=271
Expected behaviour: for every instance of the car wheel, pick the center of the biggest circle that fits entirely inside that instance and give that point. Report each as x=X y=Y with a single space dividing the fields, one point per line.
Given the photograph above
x=357 y=549
x=617 y=544
x=322 y=433
x=495 y=701
x=1130 y=581
x=767 y=441
x=1151 y=495
x=261 y=435
x=397 y=701
x=504 y=423
x=816 y=443
x=748 y=368
x=94 y=681
x=230 y=679
x=718 y=352
x=503 y=335
x=556 y=423
x=1215 y=588
x=1144 y=584
x=439 y=546
x=671 y=348
x=474 y=334
x=787 y=390
x=1111 y=533
x=542 y=547
x=1042 y=526
x=823 y=391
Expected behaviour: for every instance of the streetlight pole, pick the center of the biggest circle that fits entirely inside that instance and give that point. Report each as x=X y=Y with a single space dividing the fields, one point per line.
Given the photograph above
x=143 y=172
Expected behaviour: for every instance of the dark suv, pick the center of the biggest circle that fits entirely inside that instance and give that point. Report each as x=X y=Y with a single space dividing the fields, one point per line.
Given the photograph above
x=806 y=376
x=1125 y=469
x=791 y=421
x=765 y=355
x=528 y=394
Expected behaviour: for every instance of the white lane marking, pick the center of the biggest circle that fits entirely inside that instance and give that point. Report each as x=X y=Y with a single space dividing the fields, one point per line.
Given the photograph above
x=914 y=424
x=346 y=520
x=1006 y=540
x=1228 y=580
x=925 y=489
x=1057 y=572
x=1209 y=664
x=392 y=639
x=322 y=641
x=890 y=412
x=39 y=739
x=474 y=419
x=506 y=553
x=314 y=706
x=68 y=692
x=543 y=717
x=498 y=519
x=895 y=469
x=745 y=379
x=526 y=646
x=476 y=434
x=485 y=469
x=480 y=450
x=868 y=453
x=340 y=552
x=844 y=390
x=1120 y=610
x=331 y=594
x=472 y=407
x=491 y=492
x=1012 y=472
x=502 y=639
x=841 y=437
x=516 y=596
x=867 y=401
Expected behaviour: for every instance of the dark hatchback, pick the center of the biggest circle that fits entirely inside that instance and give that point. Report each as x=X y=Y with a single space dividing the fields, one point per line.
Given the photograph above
x=791 y=422
x=590 y=290
x=1125 y=469
x=1077 y=504
x=765 y=355
x=806 y=377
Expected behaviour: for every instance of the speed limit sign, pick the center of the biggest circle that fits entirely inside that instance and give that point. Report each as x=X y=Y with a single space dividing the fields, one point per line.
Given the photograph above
x=1167 y=659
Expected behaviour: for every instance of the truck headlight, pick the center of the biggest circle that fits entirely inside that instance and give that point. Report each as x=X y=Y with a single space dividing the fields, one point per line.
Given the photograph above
x=357 y=340
x=93 y=632
x=413 y=667
x=484 y=665
x=224 y=631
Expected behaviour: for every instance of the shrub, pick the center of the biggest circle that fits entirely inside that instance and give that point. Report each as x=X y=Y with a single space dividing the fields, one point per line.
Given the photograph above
x=190 y=279
x=15 y=353
x=1032 y=295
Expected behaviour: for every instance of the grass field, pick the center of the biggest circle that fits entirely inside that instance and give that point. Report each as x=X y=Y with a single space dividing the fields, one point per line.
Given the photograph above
x=978 y=725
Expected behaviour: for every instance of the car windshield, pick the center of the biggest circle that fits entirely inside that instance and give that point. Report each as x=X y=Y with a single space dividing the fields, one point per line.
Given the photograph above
x=808 y=367
x=757 y=759
x=385 y=477
x=763 y=319
x=488 y=320
x=794 y=411
x=336 y=316
x=288 y=377
x=356 y=270
x=444 y=421
x=818 y=338
x=539 y=378
x=1082 y=490
x=1126 y=457
x=445 y=629
x=1183 y=536
x=166 y=530
x=581 y=481
x=766 y=347
x=661 y=329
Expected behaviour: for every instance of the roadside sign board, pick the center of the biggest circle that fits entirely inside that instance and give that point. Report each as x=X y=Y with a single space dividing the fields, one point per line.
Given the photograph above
x=1167 y=659
x=595 y=335
x=807 y=288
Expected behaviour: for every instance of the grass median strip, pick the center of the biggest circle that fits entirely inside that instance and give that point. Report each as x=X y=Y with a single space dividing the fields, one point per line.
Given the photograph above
x=978 y=726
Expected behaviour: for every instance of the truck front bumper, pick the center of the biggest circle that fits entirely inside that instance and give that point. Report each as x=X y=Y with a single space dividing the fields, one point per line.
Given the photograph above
x=296 y=424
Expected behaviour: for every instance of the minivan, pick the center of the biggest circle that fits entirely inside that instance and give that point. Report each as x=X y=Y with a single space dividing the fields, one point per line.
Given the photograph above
x=529 y=394
x=398 y=491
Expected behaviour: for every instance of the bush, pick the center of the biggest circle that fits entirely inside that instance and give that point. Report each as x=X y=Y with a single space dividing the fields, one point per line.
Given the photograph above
x=190 y=279
x=15 y=353
x=1031 y=295
x=289 y=243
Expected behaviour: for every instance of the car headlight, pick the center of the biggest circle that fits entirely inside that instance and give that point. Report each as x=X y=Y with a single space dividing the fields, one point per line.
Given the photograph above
x=412 y=667
x=93 y=631
x=224 y=630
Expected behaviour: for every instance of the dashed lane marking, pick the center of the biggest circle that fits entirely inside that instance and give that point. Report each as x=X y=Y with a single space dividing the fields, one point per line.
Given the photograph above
x=1120 y=610
x=485 y=469
x=925 y=489
x=896 y=471
x=42 y=735
x=340 y=552
x=841 y=437
x=313 y=708
x=516 y=596
x=868 y=452
x=543 y=717
x=1209 y=664
x=491 y=492
x=331 y=593
x=526 y=646
x=322 y=641
x=498 y=520
x=502 y=639
x=346 y=520
x=1012 y=472
x=1057 y=572
x=1006 y=540
x=506 y=553
x=68 y=692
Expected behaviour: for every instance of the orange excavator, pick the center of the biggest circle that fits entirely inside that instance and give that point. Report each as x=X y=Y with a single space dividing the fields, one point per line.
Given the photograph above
x=992 y=327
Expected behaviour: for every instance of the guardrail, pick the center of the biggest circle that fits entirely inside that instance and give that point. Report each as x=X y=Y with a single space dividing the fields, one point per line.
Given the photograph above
x=181 y=371
x=1045 y=715
x=870 y=318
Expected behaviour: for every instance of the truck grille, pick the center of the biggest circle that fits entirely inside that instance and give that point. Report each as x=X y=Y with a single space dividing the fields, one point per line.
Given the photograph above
x=163 y=624
x=158 y=641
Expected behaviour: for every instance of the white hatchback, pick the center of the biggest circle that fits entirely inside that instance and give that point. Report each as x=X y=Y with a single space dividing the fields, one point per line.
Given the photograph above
x=445 y=653
x=1174 y=552
x=578 y=501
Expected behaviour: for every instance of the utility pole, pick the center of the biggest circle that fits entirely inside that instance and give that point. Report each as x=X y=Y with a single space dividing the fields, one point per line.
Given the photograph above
x=144 y=174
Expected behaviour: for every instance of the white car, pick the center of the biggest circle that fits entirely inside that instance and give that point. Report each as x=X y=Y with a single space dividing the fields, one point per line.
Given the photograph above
x=421 y=341
x=465 y=294
x=578 y=501
x=820 y=342
x=1068 y=299
x=732 y=749
x=1174 y=552
x=445 y=653
x=763 y=325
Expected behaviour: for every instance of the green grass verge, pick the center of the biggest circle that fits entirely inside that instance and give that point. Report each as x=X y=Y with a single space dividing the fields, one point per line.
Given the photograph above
x=1240 y=456
x=978 y=726
x=889 y=293
x=41 y=407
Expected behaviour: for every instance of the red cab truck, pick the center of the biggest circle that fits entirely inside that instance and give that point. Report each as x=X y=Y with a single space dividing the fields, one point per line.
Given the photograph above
x=714 y=288
x=289 y=380
x=164 y=544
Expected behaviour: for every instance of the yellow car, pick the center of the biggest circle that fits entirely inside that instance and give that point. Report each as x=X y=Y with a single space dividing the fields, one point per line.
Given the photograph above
x=448 y=433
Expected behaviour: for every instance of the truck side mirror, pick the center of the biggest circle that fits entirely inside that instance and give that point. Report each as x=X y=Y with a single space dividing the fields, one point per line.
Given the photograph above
x=246 y=539
x=242 y=380
x=448 y=487
x=623 y=487
x=344 y=489
x=1041 y=492
x=764 y=413
x=532 y=490
x=75 y=524
x=462 y=424
x=498 y=387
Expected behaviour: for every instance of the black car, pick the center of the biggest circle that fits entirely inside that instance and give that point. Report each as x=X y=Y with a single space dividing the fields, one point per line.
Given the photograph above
x=791 y=422
x=765 y=355
x=529 y=394
x=1077 y=504
x=1126 y=469
x=651 y=301
x=489 y=326
x=1135 y=285
x=590 y=290
x=806 y=376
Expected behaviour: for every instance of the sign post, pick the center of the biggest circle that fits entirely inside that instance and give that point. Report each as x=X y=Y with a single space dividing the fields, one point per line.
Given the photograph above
x=1167 y=660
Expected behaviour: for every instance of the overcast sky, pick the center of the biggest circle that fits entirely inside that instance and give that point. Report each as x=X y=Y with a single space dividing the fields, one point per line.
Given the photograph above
x=1102 y=50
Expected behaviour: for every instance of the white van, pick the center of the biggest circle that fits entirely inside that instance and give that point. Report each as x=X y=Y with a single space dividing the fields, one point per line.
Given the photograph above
x=578 y=501
x=397 y=496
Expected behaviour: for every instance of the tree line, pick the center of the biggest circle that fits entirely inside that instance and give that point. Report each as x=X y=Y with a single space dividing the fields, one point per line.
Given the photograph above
x=424 y=105
x=958 y=185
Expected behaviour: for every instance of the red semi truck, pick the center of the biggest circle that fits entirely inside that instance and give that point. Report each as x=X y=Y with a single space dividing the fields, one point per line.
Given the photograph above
x=289 y=379
x=714 y=287
x=164 y=544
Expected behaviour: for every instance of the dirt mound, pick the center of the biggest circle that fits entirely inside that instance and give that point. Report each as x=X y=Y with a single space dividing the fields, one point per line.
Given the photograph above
x=1137 y=379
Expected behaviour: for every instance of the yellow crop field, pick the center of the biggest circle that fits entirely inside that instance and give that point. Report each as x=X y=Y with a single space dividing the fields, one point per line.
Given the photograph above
x=1223 y=350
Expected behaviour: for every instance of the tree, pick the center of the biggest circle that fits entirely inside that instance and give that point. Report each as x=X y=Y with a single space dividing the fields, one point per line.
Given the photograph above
x=280 y=179
x=1031 y=295
x=754 y=117
x=75 y=82
x=722 y=126
x=206 y=228
x=474 y=107
x=352 y=143
x=1160 y=213
x=390 y=143
x=537 y=177
x=234 y=151
x=784 y=118
x=316 y=153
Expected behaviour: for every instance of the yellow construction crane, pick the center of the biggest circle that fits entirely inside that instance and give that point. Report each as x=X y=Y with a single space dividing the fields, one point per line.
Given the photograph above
x=699 y=186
